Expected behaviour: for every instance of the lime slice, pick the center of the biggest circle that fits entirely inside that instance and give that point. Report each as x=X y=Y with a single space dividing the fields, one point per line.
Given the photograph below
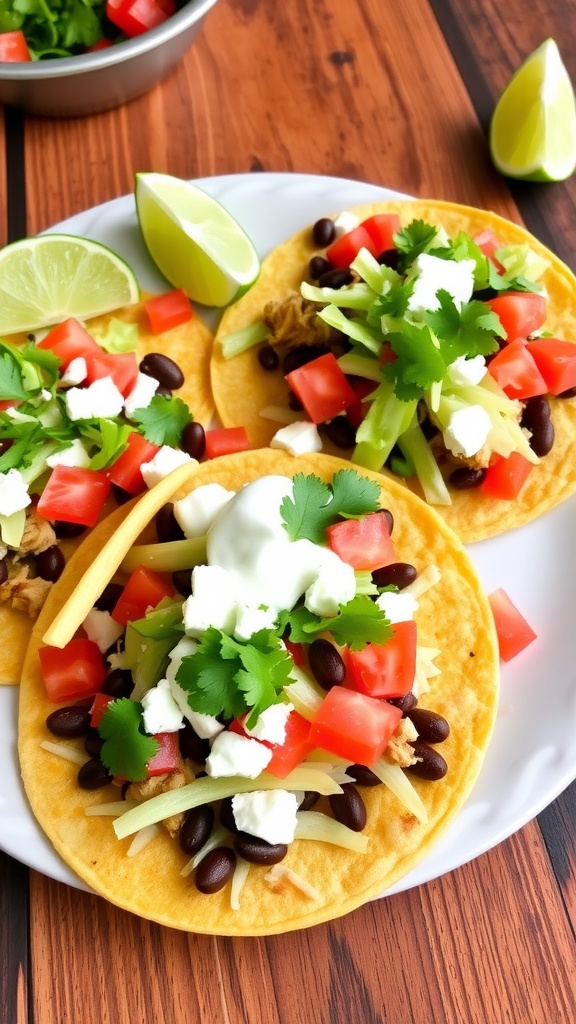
x=48 y=278
x=533 y=129
x=194 y=241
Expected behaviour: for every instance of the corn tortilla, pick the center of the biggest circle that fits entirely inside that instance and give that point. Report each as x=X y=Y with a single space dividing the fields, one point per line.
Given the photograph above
x=241 y=388
x=453 y=615
x=190 y=346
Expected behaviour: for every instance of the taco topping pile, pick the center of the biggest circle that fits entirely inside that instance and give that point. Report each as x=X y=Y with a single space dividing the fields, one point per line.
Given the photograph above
x=83 y=415
x=283 y=666
x=422 y=353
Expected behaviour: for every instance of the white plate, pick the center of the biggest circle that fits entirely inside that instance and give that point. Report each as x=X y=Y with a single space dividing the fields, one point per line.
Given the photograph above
x=532 y=757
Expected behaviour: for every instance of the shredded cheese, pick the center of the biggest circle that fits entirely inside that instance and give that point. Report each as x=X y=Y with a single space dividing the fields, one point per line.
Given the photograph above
x=68 y=753
x=280 y=873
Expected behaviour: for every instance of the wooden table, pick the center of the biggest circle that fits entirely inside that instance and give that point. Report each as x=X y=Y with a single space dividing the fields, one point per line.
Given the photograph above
x=393 y=93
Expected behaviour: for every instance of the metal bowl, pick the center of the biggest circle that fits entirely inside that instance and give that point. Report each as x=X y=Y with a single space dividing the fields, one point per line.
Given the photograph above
x=91 y=82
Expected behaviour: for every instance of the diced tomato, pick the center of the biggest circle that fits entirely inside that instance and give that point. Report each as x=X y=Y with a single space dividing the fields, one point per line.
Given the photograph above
x=520 y=313
x=70 y=340
x=99 y=706
x=344 y=250
x=122 y=367
x=288 y=755
x=166 y=759
x=385 y=670
x=361 y=387
x=136 y=16
x=514 y=633
x=125 y=472
x=296 y=651
x=9 y=403
x=556 y=361
x=382 y=227
x=515 y=370
x=74 y=495
x=168 y=310
x=226 y=441
x=102 y=44
x=488 y=244
x=354 y=726
x=506 y=477
x=74 y=671
x=13 y=47
x=322 y=387
x=362 y=543
x=144 y=589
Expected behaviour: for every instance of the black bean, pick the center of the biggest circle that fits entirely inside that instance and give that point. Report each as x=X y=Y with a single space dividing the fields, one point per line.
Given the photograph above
x=215 y=870
x=536 y=419
x=308 y=800
x=120 y=495
x=167 y=528
x=257 y=850
x=323 y=232
x=93 y=743
x=568 y=393
x=405 y=703
x=268 y=357
x=191 y=745
x=109 y=597
x=362 y=775
x=50 y=563
x=118 y=683
x=182 y=580
x=348 y=807
x=485 y=294
x=432 y=727
x=318 y=265
x=302 y=354
x=341 y=432
x=466 y=477
x=3 y=571
x=335 y=278
x=398 y=574
x=431 y=765
x=389 y=518
x=294 y=402
x=227 y=818
x=326 y=663
x=193 y=440
x=62 y=529
x=70 y=721
x=195 y=829
x=161 y=390
x=389 y=258
x=163 y=369
x=93 y=774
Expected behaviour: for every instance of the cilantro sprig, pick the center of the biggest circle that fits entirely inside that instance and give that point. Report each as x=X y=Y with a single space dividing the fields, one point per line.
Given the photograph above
x=163 y=421
x=316 y=505
x=127 y=749
x=227 y=677
x=356 y=624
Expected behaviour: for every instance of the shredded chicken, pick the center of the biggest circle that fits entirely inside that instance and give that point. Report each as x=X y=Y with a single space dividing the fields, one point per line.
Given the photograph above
x=141 y=791
x=399 y=750
x=294 y=321
x=23 y=592
x=38 y=534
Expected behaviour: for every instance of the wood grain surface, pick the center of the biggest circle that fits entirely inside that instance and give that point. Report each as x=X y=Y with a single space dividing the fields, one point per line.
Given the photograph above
x=400 y=95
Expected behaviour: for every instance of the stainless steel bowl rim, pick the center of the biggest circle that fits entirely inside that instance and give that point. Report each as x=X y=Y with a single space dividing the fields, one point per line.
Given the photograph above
x=61 y=67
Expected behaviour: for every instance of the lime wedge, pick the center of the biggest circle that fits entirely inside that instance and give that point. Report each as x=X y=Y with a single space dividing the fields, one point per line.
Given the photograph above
x=533 y=129
x=194 y=241
x=48 y=278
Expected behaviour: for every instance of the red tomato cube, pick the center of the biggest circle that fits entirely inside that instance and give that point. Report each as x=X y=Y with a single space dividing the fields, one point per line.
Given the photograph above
x=556 y=361
x=99 y=706
x=121 y=367
x=74 y=671
x=344 y=250
x=354 y=726
x=168 y=310
x=382 y=227
x=514 y=369
x=125 y=472
x=385 y=670
x=520 y=313
x=226 y=441
x=363 y=543
x=167 y=757
x=506 y=477
x=322 y=387
x=144 y=589
x=514 y=632
x=74 y=495
x=70 y=340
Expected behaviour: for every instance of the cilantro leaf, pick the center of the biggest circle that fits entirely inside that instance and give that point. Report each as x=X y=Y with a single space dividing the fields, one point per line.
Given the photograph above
x=11 y=384
x=357 y=623
x=163 y=421
x=316 y=505
x=228 y=677
x=468 y=331
x=414 y=239
x=110 y=437
x=419 y=361
x=126 y=750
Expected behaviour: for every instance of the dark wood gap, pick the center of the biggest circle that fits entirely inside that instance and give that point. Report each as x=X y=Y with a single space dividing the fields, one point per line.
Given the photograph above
x=15 y=176
x=15 y=996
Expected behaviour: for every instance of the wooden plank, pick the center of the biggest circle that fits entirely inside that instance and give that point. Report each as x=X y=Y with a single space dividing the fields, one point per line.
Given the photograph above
x=558 y=825
x=467 y=947
x=299 y=94
x=14 y=971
